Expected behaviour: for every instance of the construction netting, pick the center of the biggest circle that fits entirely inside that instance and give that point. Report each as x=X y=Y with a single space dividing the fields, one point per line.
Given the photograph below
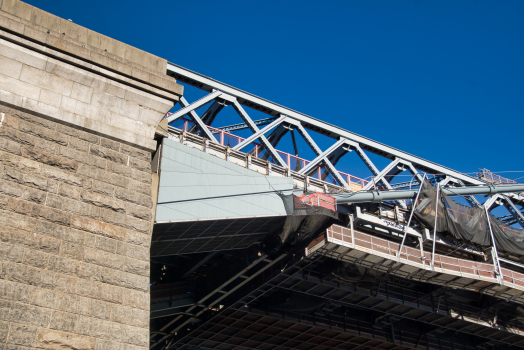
x=465 y=223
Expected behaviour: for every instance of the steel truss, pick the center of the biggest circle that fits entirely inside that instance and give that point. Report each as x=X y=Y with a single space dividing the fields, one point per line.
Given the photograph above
x=285 y=119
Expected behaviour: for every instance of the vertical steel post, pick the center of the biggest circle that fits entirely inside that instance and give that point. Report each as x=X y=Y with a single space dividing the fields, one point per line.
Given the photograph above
x=410 y=217
x=435 y=228
x=496 y=256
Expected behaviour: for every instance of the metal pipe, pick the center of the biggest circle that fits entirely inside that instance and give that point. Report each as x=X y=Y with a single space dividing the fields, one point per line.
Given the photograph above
x=413 y=204
x=437 y=202
x=373 y=196
x=496 y=256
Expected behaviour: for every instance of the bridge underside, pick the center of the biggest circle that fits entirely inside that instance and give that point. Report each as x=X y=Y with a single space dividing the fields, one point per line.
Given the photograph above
x=270 y=276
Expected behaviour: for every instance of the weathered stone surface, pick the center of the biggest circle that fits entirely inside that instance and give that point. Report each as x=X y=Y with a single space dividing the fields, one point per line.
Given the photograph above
x=80 y=111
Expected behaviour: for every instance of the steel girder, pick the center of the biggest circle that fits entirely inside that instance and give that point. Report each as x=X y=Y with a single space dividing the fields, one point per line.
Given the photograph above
x=271 y=108
x=301 y=122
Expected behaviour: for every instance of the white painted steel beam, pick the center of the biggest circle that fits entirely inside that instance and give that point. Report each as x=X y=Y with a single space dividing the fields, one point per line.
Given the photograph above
x=322 y=156
x=331 y=168
x=195 y=105
x=198 y=121
x=254 y=128
x=259 y=133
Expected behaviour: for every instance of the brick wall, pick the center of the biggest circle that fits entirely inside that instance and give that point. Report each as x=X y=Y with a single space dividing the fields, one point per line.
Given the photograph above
x=75 y=222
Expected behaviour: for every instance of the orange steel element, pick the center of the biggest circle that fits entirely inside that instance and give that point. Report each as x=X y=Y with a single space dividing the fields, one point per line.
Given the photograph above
x=319 y=200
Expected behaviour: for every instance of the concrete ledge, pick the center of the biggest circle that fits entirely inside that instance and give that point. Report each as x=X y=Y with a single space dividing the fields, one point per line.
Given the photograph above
x=39 y=26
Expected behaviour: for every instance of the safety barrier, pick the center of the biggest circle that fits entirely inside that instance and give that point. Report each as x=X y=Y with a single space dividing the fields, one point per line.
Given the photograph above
x=294 y=163
x=378 y=246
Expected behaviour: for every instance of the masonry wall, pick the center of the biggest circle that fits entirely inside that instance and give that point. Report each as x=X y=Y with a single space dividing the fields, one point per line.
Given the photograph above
x=78 y=114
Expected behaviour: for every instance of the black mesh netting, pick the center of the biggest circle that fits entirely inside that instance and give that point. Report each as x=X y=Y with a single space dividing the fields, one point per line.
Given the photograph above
x=465 y=223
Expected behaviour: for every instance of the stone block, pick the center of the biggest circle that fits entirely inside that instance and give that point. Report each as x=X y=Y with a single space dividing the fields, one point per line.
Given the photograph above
x=72 y=250
x=102 y=201
x=73 y=31
x=17 y=236
x=136 y=299
x=137 y=211
x=42 y=132
x=69 y=73
x=133 y=251
x=21 y=335
x=29 y=166
x=66 y=177
x=102 y=344
x=138 y=238
x=64 y=265
x=108 y=154
x=99 y=328
x=133 y=197
x=17 y=136
x=137 y=267
x=34 y=195
x=100 y=309
x=20 y=88
x=93 y=39
x=143 y=188
x=10 y=68
x=15 y=291
x=69 y=191
x=37 y=211
x=18 y=9
x=18 y=221
x=136 y=153
x=46 y=20
x=82 y=93
x=61 y=232
x=22 y=54
x=104 y=176
x=123 y=220
x=50 y=159
x=36 y=258
x=97 y=227
x=4 y=331
x=63 y=321
x=11 y=189
x=79 y=144
x=130 y=316
x=105 y=259
x=72 y=206
x=135 y=335
x=140 y=165
x=83 y=157
x=10 y=146
x=11 y=252
x=57 y=340
x=82 y=135
x=113 y=145
x=103 y=188
x=42 y=79
x=51 y=98
x=35 y=276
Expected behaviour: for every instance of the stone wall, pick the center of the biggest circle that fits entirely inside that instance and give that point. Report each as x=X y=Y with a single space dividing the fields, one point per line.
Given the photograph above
x=78 y=114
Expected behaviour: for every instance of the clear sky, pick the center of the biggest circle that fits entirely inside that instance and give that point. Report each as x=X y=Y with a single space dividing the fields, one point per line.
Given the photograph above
x=442 y=80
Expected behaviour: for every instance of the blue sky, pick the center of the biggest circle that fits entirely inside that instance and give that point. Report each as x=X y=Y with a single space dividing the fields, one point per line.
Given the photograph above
x=439 y=79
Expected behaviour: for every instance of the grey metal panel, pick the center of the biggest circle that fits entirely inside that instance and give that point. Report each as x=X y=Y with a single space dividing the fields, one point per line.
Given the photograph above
x=196 y=186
